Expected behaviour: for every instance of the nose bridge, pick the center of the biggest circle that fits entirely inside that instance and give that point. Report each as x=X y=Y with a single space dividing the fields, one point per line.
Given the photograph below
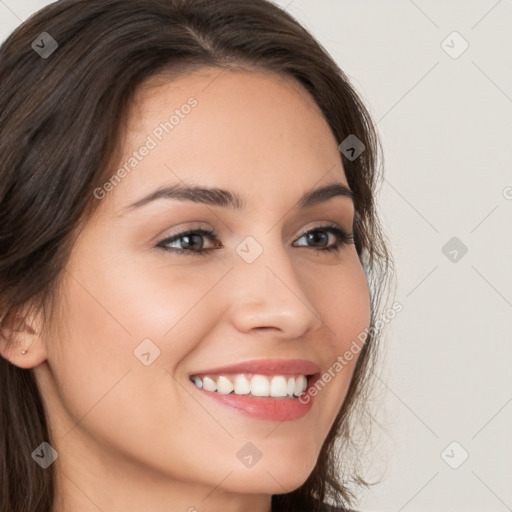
x=269 y=293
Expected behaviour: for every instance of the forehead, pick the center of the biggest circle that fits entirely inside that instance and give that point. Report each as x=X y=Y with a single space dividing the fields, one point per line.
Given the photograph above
x=212 y=85
x=230 y=105
x=247 y=129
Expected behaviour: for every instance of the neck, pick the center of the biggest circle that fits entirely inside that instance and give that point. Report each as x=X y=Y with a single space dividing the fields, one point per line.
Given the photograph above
x=90 y=487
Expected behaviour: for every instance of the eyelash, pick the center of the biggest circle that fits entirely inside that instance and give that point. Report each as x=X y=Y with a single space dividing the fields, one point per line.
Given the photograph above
x=342 y=238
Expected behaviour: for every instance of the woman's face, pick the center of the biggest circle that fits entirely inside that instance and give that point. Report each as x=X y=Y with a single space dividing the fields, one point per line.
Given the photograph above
x=142 y=310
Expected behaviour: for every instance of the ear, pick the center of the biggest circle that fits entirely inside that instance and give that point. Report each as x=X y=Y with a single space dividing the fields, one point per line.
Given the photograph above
x=20 y=332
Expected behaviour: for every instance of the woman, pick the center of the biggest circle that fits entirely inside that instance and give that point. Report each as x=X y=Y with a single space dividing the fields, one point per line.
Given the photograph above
x=191 y=262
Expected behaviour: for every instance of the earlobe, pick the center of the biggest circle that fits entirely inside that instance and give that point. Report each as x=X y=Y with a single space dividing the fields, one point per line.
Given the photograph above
x=21 y=344
x=27 y=358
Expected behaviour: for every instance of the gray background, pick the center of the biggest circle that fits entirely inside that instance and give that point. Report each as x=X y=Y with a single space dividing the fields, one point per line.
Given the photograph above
x=446 y=124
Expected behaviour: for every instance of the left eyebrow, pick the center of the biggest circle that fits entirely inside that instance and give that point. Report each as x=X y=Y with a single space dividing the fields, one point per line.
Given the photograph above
x=226 y=198
x=322 y=194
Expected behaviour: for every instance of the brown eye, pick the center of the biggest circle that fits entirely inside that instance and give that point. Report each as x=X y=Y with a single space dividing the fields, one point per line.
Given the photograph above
x=191 y=242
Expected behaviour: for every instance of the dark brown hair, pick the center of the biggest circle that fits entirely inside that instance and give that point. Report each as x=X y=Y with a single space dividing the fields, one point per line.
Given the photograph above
x=61 y=121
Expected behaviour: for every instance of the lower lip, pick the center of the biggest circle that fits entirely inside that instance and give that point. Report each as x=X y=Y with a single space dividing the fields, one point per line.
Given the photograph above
x=265 y=408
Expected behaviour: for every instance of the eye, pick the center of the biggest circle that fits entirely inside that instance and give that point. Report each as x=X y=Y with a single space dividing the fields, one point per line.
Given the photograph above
x=192 y=241
x=320 y=235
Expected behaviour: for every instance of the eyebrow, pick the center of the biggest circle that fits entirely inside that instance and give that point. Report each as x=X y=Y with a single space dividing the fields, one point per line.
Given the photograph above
x=226 y=198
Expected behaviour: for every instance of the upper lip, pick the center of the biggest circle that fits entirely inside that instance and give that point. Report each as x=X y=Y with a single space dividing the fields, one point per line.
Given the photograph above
x=267 y=367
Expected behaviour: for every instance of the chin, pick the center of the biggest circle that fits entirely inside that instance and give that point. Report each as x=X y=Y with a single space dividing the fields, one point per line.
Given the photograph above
x=266 y=481
x=278 y=474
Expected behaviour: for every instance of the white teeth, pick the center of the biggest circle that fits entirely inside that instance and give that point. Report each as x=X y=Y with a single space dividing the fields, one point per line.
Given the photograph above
x=224 y=386
x=260 y=386
x=290 y=388
x=300 y=385
x=242 y=385
x=209 y=384
x=277 y=386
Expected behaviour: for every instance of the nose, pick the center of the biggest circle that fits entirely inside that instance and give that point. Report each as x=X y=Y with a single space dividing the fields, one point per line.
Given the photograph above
x=269 y=295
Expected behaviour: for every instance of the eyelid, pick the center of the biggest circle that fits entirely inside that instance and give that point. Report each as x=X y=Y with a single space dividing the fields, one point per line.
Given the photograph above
x=180 y=231
x=324 y=225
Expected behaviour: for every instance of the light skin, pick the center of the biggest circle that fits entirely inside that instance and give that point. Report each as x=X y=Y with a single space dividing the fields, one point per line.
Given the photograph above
x=132 y=437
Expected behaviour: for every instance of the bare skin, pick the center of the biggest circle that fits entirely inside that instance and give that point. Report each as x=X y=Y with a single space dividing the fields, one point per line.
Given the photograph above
x=132 y=437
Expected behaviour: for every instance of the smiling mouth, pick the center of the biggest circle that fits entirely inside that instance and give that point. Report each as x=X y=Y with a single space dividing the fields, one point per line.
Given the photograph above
x=255 y=385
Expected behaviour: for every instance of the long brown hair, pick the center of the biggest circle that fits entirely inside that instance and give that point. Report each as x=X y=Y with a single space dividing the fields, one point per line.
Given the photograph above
x=61 y=118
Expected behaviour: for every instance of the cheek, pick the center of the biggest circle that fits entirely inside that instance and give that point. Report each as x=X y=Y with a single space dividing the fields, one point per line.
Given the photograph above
x=345 y=309
x=114 y=314
x=103 y=387
x=343 y=302
x=153 y=299
x=126 y=300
